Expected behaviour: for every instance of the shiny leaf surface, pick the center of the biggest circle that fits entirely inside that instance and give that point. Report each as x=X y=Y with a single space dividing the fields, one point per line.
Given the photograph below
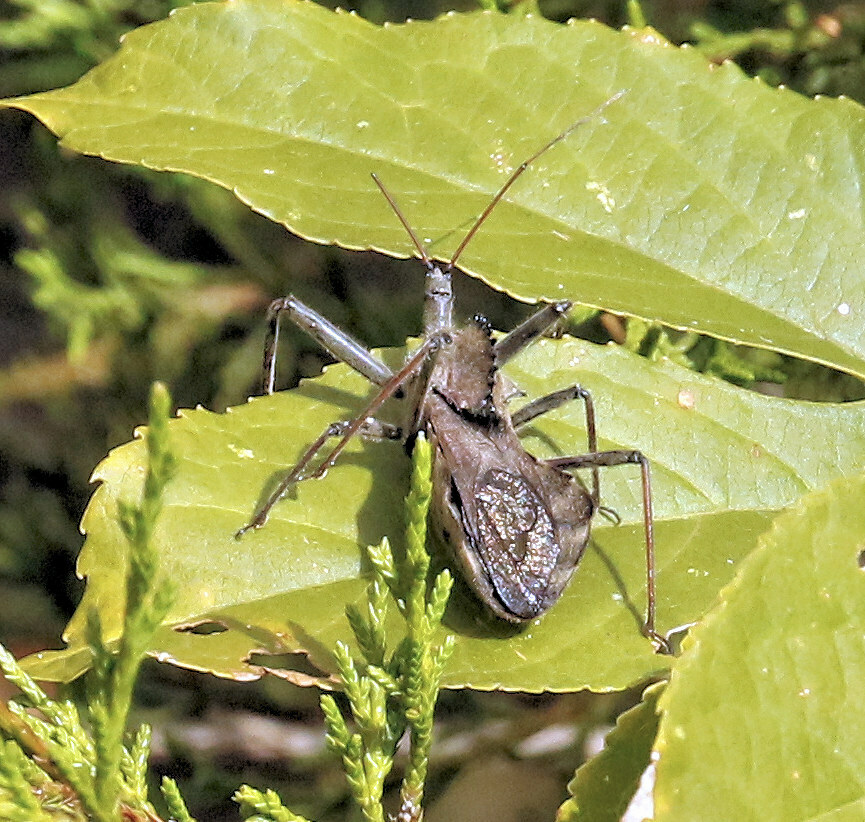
x=724 y=462
x=762 y=717
x=701 y=198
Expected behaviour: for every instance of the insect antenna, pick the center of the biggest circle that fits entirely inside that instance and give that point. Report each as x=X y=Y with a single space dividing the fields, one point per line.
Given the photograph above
x=521 y=168
x=438 y=302
x=424 y=255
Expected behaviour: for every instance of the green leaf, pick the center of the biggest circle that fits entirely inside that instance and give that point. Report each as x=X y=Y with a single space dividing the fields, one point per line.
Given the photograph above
x=724 y=461
x=763 y=718
x=702 y=198
x=604 y=787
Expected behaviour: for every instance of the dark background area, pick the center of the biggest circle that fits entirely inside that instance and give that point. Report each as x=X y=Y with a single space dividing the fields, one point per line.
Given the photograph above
x=112 y=277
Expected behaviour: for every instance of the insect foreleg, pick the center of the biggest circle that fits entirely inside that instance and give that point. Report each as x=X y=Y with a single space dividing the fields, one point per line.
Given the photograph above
x=364 y=424
x=604 y=459
x=529 y=330
x=414 y=362
x=371 y=429
x=343 y=346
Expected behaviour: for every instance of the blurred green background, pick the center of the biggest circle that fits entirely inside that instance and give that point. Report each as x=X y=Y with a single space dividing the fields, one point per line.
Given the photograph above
x=112 y=277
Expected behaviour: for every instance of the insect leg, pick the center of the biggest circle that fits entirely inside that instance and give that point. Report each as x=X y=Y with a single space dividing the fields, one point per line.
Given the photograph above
x=417 y=360
x=552 y=401
x=603 y=459
x=529 y=330
x=364 y=424
x=370 y=428
x=343 y=347
x=549 y=402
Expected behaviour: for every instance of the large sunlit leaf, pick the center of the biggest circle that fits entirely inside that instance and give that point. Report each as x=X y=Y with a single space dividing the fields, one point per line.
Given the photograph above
x=701 y=198
x=763 y=716
x=724 y=461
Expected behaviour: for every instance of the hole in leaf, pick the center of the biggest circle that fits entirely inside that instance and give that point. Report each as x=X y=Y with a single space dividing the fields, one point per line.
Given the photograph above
x=204 y=627
x=860 y=558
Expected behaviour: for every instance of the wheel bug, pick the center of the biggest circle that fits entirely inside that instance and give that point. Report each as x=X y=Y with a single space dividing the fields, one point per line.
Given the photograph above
x=517 y=525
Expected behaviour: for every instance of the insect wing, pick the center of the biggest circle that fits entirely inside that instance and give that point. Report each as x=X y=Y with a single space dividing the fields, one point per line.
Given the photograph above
x=495 y=513
x=516 y=539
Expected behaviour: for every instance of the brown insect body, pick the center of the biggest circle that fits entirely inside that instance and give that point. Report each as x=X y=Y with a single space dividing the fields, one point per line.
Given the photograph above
x=515 y=525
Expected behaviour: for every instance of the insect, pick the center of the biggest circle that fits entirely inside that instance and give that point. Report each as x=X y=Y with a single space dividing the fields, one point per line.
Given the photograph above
x=517 y=525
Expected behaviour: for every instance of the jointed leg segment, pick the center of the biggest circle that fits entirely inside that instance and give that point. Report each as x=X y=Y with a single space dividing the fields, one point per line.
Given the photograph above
x=603 y=459
x=364 y=424
x=342 y=346
x=369 y=428
x=606 y=459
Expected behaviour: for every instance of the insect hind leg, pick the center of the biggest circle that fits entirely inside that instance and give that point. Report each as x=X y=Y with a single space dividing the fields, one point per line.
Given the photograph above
x=606 y=459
